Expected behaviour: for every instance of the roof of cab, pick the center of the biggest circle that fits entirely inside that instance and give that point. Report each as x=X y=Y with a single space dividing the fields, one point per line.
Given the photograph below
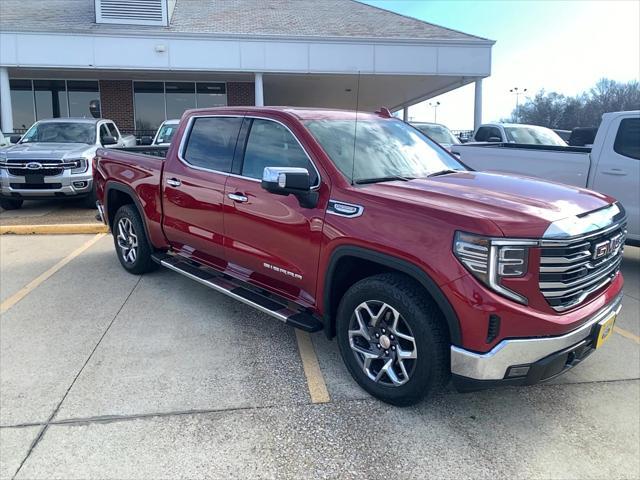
x=301 y=113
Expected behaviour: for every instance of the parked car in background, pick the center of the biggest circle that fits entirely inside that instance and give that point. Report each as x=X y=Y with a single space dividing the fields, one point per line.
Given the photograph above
x=611 y=166
x=583 y=136
x=563 y=134
x=517 y=133
x=53 y=160
x=165 y=133
x=358 y=225
x=5 y=140
x=438 y=133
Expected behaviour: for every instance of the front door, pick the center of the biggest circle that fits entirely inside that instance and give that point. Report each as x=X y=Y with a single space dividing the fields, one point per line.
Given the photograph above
x=270 y=239
x=193 y=188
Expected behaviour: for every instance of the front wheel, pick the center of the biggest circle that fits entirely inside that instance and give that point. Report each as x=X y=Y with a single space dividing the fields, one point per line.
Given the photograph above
x=132 y=246
x=392 y=339
x=11 y=203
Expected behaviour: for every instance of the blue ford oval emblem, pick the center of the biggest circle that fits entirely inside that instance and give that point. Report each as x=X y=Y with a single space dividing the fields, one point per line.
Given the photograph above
x=33 y=166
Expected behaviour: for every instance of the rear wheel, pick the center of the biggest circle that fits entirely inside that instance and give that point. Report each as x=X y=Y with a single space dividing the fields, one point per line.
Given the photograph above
x=392 y=339
x=11 y=203
x=132 y=246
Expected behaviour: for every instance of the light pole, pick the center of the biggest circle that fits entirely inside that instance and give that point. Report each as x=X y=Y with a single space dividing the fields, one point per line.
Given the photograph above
x=517 y=92
x=435 y=106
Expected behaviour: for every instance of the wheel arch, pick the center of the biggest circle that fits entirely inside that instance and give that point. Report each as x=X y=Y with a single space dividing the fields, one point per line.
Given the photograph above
x=127 y=191
x=388 y=263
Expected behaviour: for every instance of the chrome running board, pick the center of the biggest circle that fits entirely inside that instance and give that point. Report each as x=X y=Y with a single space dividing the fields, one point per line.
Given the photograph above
x=269 y=304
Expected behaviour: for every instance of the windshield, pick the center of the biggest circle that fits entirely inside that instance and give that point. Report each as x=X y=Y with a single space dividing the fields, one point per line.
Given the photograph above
x=165 y=134
x=384 y=149
x=438 y=133
x=61 y=132
x=533 y=136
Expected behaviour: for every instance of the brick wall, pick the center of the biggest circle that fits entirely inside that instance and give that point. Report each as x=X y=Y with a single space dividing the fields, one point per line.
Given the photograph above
x=116 y=102
x=240 y=94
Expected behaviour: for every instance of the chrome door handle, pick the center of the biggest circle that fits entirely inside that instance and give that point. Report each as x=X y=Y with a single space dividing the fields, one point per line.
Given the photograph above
x=174 y=182
x=238 y=197
x=614 y=171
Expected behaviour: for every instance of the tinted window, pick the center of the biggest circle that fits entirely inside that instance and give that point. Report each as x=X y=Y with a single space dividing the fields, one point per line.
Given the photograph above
x=51 y=99
x=112 y=130
x=180 y=96
x=272 y=145
x=148 y=99
x=212 y=141
x=21 y=104
x=82 y=94
x=482 y=135
x=628 y=138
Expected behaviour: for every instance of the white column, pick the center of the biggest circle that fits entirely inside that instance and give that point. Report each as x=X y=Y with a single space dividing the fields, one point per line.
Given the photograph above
x=6 y=114
x=259 y=90
x=477 y=106
x=405 y=114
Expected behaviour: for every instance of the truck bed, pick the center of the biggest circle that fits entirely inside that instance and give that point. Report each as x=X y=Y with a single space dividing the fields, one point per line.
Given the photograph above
x=145 y=150
x=568 y=165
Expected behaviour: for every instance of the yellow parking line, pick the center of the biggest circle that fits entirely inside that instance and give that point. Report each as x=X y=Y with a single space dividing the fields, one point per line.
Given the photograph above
x=67 y=228
x=28 y=288
x=627 y=334
x=315 y=379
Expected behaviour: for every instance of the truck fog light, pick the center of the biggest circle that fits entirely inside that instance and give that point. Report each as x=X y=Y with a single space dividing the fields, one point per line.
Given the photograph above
x=518 y=371
x=79 y=184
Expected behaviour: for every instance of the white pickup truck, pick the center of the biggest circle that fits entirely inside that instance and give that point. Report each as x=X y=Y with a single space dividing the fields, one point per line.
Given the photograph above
x=611 y=165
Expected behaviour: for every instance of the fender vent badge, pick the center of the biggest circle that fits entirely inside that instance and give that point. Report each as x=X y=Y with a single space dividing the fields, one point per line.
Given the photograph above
x=344 y=209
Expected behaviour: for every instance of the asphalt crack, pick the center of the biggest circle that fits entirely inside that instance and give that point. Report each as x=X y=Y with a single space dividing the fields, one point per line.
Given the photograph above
x=50 y=421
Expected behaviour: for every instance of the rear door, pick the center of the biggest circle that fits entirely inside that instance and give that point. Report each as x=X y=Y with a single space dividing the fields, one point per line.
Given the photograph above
x=618 y=168
x=270 y=239
x=193 y=187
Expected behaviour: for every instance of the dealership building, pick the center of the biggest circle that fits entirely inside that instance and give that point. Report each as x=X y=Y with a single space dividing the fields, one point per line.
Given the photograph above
x=140 y=62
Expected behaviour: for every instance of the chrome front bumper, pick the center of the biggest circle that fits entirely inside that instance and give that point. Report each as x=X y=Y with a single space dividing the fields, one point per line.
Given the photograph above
x=494 y=364
x=10 y=185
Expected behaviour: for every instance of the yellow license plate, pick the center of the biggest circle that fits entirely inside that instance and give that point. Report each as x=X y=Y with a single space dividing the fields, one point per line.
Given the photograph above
x=605 y=329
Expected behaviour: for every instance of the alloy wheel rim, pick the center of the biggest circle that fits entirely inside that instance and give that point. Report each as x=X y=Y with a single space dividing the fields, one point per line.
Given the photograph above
x=127 y=240
x=382 y=342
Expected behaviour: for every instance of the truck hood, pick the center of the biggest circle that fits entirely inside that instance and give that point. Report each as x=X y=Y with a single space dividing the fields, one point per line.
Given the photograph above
x=48 y=151
x=519 y=206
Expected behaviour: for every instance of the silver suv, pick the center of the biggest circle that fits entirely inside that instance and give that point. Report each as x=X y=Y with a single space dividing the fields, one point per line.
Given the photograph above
x=53 y=160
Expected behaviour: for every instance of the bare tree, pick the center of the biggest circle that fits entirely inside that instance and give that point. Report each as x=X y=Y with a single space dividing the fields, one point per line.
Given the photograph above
x=555 y=110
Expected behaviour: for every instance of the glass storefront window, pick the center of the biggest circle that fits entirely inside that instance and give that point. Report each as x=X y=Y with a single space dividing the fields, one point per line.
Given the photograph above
x=180 y=96
x=51 y=99
x=211 y=95
x=81 y=94
x=22 y=104
x=148 y=99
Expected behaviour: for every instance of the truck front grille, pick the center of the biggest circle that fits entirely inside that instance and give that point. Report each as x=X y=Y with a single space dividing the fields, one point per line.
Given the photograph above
x=46 y=168
x=569 y=273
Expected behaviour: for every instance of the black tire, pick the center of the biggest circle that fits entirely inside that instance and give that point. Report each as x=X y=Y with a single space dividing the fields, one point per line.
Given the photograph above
x=430 y=370
x=142 y=263
x=11 y=203
x=90 y=200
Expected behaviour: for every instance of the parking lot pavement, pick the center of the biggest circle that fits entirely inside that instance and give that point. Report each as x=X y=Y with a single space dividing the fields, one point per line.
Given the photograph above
x=48 y=212
x=108 y=375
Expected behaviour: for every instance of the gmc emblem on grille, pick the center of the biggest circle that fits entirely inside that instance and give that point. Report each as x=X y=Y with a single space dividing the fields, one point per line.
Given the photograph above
x=33 y=166
x=608 y=247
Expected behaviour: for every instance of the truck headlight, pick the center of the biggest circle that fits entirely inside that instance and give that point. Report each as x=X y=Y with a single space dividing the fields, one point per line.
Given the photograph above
x=490 y=260
x=82 y=167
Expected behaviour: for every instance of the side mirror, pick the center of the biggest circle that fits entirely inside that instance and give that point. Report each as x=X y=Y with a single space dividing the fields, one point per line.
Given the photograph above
x=108 y=140
x=290 y=181
x=494 y=139
x=146 y=140
x=15 y=138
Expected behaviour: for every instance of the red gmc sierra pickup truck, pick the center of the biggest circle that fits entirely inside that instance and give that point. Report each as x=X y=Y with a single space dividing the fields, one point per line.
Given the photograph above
x=359 y=225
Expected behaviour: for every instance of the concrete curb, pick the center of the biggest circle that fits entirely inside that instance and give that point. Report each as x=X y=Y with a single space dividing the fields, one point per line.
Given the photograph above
x=59 y=229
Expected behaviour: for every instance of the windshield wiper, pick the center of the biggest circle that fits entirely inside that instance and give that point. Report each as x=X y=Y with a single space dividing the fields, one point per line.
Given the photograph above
x=390 y=178
x=443 y=172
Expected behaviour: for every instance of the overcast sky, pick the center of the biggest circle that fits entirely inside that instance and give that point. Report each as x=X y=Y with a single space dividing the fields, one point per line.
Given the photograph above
x=562 y=46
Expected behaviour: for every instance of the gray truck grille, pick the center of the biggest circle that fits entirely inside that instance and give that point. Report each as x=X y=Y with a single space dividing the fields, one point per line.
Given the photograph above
x=47 y=168
x=571 y=272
